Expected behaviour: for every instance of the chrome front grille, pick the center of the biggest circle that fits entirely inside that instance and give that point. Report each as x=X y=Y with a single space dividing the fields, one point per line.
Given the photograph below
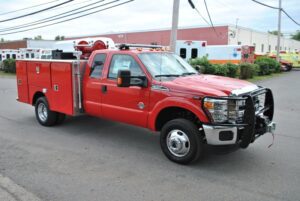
x=259 y=102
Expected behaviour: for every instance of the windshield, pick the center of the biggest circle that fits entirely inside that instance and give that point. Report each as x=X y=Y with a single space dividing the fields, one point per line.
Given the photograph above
x=163 y=64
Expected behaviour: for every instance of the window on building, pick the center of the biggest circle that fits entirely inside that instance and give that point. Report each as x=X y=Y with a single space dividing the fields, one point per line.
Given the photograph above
x=32 y=55
x=285 y=48
x=182 y=53
x=239 y=42
x=194 y=53
x=262 y=48
x=269 y=48
x=0 y=57
x=124 y=62
x=14 y=56
x=7 y=56
x=27 y=55
x=97 y=66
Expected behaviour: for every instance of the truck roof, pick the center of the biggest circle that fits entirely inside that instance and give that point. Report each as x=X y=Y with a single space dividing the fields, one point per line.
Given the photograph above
x=135 y=51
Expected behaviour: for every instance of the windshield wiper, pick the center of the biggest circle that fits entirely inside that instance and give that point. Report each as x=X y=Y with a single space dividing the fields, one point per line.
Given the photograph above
x=167 y=75
x=190 y=73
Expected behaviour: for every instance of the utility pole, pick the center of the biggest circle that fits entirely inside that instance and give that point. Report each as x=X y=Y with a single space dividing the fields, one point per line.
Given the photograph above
x=174 y=25
x=279 y=31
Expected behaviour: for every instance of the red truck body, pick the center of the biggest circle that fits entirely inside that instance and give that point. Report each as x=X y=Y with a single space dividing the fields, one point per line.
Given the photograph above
x=69 y=88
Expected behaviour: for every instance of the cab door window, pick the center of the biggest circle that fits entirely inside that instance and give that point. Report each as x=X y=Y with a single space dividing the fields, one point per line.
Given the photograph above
x=97 y=66
x=124 y=62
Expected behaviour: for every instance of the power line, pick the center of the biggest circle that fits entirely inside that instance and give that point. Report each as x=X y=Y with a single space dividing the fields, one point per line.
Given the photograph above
x=44 y=20
x=71 y=5
x=290 y=17
x=39 y=11
x=210 y=18
x=80 y=16
x=273 y=7
x=194 y=7
x=27 y=7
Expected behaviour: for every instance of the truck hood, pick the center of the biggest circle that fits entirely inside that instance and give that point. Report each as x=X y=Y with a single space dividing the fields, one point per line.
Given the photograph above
x=209 y=85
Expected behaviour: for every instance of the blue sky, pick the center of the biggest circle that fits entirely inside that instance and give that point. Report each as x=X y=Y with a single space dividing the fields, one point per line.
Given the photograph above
x=151 y=14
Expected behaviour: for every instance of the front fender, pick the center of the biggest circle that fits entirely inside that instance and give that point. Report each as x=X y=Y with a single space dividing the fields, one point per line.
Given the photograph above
x=192 y=105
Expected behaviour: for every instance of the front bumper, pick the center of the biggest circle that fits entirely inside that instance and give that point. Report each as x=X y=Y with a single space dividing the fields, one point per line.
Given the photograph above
x=257 y=121
x=229 y=135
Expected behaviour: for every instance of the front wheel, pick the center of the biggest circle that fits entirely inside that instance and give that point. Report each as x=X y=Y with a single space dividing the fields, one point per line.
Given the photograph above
x=180 y=141
x=43 y=114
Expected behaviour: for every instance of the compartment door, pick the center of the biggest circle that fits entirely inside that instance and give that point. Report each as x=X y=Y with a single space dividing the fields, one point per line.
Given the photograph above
x=22 y=82
x=61 y=97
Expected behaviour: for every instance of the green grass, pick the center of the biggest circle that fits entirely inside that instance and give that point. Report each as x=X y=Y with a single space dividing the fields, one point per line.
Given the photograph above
x=3 y=74
x=264 y=77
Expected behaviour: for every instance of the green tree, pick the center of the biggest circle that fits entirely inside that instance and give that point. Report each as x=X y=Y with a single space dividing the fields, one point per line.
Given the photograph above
x=274 y=33
x=38 y=37
x=58 y=37
x=296 y=36
x=2 y=40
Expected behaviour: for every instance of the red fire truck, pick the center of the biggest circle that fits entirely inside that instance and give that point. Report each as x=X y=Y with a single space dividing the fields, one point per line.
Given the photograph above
x=150 y=88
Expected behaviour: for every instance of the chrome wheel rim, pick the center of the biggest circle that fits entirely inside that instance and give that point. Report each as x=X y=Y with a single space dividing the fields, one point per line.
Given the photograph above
x=42 y=112
x=178 y=143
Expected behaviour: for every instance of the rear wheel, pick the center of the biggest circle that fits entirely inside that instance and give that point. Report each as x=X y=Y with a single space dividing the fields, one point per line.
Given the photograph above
x=43 y=114
x=180 y=141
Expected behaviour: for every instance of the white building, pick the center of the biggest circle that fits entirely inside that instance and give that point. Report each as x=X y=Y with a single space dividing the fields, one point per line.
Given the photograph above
x=263 y=42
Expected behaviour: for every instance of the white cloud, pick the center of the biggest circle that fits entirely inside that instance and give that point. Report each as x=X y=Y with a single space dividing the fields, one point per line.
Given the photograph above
x=149 y=14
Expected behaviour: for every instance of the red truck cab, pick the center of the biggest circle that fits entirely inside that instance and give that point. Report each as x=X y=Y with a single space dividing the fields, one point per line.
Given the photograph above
x=150 y=88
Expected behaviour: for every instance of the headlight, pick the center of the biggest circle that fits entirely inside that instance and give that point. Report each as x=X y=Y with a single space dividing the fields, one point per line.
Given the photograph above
x=224 y=111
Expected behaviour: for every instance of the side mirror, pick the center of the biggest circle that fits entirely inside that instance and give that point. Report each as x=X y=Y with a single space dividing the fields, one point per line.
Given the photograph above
x=125 y=79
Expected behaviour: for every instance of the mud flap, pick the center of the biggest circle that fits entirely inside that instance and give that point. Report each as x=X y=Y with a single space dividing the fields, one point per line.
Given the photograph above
x=249 y=118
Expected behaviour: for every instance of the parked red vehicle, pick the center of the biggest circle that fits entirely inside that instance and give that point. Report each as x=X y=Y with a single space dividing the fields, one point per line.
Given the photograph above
x=153 y=89
x=285 y=65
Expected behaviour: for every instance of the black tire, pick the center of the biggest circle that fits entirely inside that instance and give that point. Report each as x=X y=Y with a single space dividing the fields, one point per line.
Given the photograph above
x=48 y=118
x=60 y=118
x=184 y=129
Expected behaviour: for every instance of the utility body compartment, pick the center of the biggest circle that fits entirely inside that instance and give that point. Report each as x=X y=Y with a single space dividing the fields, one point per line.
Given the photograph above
x=58 y=80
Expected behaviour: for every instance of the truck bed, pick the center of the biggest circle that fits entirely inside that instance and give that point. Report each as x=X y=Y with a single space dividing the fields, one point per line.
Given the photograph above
x=59 y=80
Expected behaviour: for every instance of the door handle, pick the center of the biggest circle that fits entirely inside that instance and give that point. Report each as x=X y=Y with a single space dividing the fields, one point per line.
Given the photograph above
x=104 y=89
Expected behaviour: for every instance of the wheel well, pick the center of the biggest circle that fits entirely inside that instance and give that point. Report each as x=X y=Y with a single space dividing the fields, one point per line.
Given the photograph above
x=36 y=96
x=171 y=113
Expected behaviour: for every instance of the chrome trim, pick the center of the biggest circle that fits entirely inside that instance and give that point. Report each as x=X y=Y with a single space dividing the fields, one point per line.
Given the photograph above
x=178 y=143
x=212 y=134
x=159 y=88
x=42 y=112
x=77 y=87
x=271 y=127
x=244 y=90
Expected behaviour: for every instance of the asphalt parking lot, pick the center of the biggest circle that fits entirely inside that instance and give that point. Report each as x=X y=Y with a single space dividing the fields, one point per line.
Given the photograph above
x=94 y=159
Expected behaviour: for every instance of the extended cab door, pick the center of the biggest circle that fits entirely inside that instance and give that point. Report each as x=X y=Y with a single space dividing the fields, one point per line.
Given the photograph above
x=92 y=85
x=129 y=104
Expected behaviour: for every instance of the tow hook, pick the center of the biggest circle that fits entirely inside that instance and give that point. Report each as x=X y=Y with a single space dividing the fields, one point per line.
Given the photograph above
x=271 y=127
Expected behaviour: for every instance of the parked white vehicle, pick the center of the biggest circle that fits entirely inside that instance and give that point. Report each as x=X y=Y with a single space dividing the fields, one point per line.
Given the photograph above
x=219 y=54
x=188 y=49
